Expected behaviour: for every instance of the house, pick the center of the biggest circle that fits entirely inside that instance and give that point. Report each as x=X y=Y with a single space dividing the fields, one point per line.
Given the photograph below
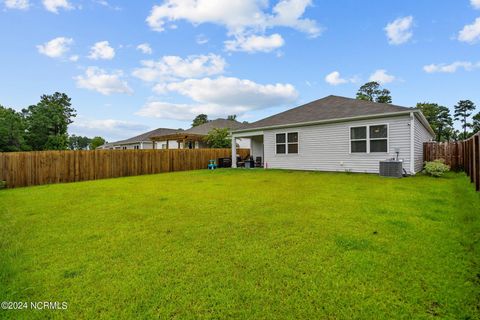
x=339 y=134
x=164 y=138
x=193 y=138
x=141 y=141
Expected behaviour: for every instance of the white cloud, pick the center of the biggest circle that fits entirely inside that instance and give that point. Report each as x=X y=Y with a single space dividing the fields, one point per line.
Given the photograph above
x=74 y=58
x=381 y=77
x=55 y=48
x=471 y=32
x=451 y=68
x=231 y=91
x=17 y=4
x=174 y=67
x=475 y=3
x=288 y=13
x=145 y=48
x=54 y=5
x=335 y=79
x=175 y=111
x=110 y=129
x=238 y=16
x=99 y=80
x=255 y=43
x=201 y=39
x=220 y=97
x=400 y=30
x=101 y=50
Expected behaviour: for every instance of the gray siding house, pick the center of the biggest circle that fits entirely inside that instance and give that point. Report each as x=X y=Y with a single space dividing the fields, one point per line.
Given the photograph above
x=339 y=134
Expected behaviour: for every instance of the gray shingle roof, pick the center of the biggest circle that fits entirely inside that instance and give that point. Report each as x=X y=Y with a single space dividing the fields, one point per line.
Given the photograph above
x=205 y=128
x=328 y=108
x=146 y=136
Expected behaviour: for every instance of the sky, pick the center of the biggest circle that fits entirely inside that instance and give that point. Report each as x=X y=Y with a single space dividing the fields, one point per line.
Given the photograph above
x=133 y=66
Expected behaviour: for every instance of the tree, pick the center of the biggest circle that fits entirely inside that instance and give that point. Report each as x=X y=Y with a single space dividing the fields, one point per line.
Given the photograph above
x=12 y=131
x=439 y=119
x=476 y=123
x=218 y=138
x=78 y=142
x=371 y=91
x=96 y=142
x=47 y=122
x=200 y=119
x=463 y=110
x=232 y=117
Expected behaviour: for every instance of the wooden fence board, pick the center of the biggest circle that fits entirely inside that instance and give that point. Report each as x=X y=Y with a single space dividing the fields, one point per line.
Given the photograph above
x=20 y=169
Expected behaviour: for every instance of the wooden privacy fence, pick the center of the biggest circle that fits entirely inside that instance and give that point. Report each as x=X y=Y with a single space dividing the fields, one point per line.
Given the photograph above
x=20 y=169
x=460 y=155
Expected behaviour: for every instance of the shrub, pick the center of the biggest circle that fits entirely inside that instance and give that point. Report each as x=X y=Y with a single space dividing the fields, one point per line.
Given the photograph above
x=3 y=184
x=436 y=168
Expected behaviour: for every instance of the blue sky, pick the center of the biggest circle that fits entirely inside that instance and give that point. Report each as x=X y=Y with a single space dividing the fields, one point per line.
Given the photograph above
x=131 y=66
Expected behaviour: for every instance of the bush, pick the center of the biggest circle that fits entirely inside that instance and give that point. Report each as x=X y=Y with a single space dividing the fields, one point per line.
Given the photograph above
x=436 y=168
x=3 y=184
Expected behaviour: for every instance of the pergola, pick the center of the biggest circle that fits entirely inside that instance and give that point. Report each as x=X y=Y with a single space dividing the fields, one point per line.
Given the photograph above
x=179 y=137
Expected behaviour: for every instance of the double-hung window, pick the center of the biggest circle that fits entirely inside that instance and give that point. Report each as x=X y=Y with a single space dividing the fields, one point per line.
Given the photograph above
x=369 y=139
x=286 y=143
x=379 y=138
x=358 y=140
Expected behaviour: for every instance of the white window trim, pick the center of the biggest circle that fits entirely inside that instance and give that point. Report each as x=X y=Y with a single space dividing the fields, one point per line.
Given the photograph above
x=367 y=126
x=286 y=143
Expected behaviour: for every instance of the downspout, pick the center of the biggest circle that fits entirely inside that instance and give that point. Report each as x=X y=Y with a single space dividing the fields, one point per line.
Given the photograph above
x=234 y=152
x=412 y=143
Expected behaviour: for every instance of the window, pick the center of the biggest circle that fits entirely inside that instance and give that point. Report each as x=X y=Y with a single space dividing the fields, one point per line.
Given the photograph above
x=378 y=138
x=358 y=139
x=287 y=143
x=281 y=149
x=372 y=138
x=292 y=142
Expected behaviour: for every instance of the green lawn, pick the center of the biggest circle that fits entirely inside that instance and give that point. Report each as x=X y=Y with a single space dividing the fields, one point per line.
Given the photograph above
x=244 y=244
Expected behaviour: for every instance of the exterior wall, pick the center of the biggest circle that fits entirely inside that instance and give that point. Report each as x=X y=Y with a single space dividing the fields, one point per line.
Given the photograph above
x=421 y=135
x=326 y=147
x=256 y=147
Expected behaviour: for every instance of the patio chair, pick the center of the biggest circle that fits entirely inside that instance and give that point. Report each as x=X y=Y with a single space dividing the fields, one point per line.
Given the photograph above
x=258 y=162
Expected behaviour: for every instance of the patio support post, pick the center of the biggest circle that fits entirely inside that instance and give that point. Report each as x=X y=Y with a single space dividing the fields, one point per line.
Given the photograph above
x=234 y=152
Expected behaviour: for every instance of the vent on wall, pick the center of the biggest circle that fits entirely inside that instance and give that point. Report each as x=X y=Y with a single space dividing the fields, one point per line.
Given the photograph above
x=391 y=168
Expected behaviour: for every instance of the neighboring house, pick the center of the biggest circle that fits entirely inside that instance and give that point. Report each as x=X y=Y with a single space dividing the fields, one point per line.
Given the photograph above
x=339 y=134
x=164 y=138
x=193 y=138
x=142 y=141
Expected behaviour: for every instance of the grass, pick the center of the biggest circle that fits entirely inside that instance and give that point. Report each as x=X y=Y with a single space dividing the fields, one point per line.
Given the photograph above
x=244 y=244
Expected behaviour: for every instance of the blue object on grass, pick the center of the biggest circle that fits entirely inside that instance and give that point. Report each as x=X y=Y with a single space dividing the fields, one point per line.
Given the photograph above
x=212 y=165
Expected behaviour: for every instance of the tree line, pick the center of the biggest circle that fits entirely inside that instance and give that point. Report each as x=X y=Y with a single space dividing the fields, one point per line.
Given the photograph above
x=42 y=126
x=438 y=116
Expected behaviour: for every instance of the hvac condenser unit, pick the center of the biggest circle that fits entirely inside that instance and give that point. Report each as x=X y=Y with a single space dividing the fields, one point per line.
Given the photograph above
x=391 y=168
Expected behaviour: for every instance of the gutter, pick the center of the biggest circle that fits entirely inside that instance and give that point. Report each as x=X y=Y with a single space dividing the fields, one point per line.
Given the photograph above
x=311 y=123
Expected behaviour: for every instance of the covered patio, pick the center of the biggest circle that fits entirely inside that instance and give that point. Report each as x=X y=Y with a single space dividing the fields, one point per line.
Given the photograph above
x=256 y=147
x=180 y=140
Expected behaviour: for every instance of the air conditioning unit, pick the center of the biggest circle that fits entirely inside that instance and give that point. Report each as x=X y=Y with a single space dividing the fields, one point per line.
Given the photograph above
x=391 y=168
